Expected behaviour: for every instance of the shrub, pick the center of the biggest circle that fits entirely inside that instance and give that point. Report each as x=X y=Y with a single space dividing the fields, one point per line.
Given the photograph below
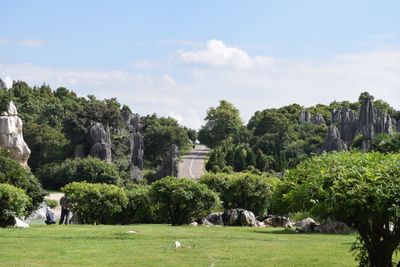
x=95 y=203
x=11 y=172
x=138 y=208
x=89 y=169
x=182 y=200
x=13 y=202
x=242 y=190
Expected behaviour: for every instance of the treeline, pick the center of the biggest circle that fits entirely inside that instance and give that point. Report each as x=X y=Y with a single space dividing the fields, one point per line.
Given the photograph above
x=278 y=139
x=57 y=121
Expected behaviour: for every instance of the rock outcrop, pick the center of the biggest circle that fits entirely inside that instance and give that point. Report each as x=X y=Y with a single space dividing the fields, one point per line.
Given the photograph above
x=170 y=165
x=2 y=85
x=238 y=217
x=99 y=139
x=347 y=123
x=332 y=140
x=278 y=221
x=306 y=116
x=215 y=218
x=135 y=143
x=11 y=136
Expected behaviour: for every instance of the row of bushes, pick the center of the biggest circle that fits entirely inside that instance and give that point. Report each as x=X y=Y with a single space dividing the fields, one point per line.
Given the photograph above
x=169 y=200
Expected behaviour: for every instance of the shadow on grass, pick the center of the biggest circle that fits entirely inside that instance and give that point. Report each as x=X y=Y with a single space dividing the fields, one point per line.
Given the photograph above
x=279 y=231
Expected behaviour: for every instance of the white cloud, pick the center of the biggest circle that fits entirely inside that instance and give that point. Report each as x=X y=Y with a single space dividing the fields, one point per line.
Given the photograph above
x=186 y=92
x=217 y=54
x=32 y=43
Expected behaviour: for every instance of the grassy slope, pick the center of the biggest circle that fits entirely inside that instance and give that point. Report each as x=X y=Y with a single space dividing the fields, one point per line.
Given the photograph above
x=153 y=245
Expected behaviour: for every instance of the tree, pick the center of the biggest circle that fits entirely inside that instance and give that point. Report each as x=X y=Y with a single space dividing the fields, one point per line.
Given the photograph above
x=360 y=189
x=95 y=203
x=182 y=200
x=222 y=124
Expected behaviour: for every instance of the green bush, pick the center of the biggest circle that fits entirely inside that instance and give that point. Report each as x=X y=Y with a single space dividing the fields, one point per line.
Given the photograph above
x=138 y=209
x=182 y=200
x=13 y=202
x=11 y=172
x=242 y=190
x=89 y=169
x=95 y=203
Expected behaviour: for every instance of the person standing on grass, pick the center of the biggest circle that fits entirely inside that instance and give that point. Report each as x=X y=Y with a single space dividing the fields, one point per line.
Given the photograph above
x=64 y=210
x=50 y=217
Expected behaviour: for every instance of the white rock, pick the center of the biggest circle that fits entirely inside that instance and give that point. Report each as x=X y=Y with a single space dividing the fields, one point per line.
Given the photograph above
x=178 y=244
x=20 y=224
x=132 y=232
x=12 y=110
x=193 y=224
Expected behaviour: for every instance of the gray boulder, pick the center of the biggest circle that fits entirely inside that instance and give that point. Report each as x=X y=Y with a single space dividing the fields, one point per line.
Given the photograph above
x=11 y=136
x=333 y=228
x=278 y=221
x=215 y=218
x=238 y=217
x=247 y=218
x=204 y=222
x=306 y=225
x=170 y=165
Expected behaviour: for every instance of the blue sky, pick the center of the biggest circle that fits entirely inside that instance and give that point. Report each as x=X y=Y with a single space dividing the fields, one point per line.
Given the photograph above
x=178 y=58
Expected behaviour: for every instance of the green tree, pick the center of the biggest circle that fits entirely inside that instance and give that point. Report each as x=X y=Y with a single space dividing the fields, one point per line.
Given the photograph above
x=360 y=189
x=222 y=125
x=182 y=200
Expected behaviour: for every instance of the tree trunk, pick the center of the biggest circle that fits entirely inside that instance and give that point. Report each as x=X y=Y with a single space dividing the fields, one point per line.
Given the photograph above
x=380 y=257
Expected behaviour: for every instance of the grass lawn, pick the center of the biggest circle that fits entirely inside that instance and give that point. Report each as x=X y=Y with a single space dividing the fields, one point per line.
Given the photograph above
x=153 y=245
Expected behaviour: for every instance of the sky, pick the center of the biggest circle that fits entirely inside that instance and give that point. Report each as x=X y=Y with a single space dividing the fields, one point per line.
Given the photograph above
x=179 y=58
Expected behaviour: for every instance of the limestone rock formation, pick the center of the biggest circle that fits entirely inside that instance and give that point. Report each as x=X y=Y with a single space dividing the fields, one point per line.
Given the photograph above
x=170 y=165
x=332 y=141
x=135 y=143
x=99 y=139
x=306 y=116
x=11 y=136
x=306 y=225
x=398 y=126
x=2 y=85
x=347 y=123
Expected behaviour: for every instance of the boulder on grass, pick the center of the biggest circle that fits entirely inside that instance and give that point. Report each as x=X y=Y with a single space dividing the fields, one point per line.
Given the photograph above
x=330 y=227
x=247 y=218
x=215 y=218
x=306 y=225
x=278 y=221
x=238 y=217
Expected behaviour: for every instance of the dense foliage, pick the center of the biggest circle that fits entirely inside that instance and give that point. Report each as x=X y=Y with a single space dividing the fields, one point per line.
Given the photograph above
x=11 y=172
x=182 y=200
x=89 y=169
x=56 y=123
x=95 y=203
x=13 y=202
x=242 y=190
x=360 y=189
x=275 y=139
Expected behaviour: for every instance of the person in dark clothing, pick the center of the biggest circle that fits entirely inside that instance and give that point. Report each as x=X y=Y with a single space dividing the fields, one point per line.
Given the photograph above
x=64 y=210
x=50 y=217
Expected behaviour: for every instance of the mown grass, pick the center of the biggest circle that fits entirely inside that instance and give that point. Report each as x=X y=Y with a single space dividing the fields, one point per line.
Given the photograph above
x=153 y=245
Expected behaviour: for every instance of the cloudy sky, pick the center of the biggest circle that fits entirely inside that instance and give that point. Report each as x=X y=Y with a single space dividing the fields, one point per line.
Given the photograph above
x=178 y=58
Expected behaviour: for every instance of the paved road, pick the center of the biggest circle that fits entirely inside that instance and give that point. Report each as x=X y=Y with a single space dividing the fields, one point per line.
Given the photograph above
x=193 y=163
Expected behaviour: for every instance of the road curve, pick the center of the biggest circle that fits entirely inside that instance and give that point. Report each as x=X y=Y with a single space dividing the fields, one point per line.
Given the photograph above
x=192 y=165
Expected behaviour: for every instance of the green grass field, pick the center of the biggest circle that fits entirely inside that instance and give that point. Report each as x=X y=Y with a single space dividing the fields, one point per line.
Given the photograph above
x=153 y=245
